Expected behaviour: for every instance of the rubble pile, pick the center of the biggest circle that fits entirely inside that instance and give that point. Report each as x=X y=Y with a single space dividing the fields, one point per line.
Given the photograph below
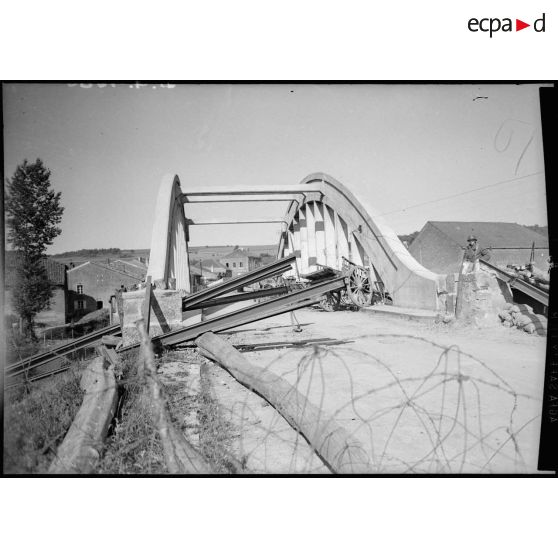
x=521 y=316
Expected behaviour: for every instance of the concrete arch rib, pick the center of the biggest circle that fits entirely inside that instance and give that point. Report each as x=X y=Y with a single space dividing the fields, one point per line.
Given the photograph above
x=323 y=223
x=370 y=238
x=168 y=259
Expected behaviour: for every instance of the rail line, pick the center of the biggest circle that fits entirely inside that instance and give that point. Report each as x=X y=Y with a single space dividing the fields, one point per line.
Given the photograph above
x=60 y=352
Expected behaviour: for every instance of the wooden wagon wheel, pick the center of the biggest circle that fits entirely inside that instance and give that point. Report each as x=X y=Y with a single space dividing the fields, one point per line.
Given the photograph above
x=359 y=287
x=331 y=302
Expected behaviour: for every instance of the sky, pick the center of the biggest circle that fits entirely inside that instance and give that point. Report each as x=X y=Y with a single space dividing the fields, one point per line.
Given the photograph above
x=414 y=152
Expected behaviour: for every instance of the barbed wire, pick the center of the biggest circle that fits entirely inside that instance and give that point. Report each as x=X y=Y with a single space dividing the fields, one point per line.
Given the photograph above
x=450 y=413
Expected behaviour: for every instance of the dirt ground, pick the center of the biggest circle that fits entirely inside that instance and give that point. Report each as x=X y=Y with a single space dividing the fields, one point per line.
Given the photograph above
x=420 y=398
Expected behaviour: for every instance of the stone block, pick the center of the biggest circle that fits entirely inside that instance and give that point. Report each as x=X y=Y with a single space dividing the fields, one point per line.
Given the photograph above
x=450 y=303
x=479 y=300
x=451 y=282
x=166 y=313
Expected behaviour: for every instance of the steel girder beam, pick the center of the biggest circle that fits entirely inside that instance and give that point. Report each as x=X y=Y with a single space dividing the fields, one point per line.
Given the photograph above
x=18 y=381
x=292 y=301
x=259 y=274
x=43 y=358
x=516 y=283
x=262 y=293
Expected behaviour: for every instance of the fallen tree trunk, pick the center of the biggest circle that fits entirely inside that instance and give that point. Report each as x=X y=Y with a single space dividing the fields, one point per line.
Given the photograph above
x=81 y=448
x=341 y=453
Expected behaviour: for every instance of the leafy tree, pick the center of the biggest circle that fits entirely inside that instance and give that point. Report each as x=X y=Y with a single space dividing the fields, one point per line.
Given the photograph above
x=33 y=212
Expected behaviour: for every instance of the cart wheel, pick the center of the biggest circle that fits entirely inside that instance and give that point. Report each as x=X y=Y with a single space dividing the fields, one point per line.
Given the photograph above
x=359 y=288
x=331 y=302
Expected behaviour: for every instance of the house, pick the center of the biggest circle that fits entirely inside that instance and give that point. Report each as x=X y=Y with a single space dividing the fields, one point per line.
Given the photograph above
x=57 y=312
x=200 y=277
x=239 y=262
x=439 y=245
x=214 y=266
x=91 y=286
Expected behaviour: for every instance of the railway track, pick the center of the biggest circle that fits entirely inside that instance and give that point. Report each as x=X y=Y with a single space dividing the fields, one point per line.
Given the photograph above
x=49 y=358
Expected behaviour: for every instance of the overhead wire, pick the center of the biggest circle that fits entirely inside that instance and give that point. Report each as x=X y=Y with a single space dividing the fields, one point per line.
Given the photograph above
x=462 y=193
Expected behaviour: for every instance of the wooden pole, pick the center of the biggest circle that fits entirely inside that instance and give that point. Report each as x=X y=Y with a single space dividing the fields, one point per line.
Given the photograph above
x=459 y=294
x=146 y=308
x=340 y=452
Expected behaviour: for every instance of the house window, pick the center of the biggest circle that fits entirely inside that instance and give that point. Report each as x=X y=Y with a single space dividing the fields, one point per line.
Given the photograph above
x=78 y=305
x=240 y=264
x=80 y=289
x=234 y=264
x=227 y=264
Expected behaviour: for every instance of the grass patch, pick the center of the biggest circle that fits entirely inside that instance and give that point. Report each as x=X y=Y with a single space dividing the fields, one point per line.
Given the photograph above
x=216 y=433
x=35 y=423
x=135 y=447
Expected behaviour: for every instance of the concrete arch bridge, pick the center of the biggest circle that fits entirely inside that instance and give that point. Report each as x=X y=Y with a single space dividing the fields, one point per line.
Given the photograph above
x=324 y=224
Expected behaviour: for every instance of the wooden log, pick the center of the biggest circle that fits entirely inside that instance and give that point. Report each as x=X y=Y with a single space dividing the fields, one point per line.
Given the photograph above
x=80 y=450
x=109 y=354
x=111 y=340
x=146 y=307
x=341 y=452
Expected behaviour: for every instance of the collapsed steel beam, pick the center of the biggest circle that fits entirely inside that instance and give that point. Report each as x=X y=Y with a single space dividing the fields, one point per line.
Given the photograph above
x=259 y=274
x=43 y=358
x=516 y=283
x=267 y=309
x=20 y=382
x=262 y=293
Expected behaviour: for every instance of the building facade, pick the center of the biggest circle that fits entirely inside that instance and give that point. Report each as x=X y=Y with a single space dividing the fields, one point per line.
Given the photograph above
x=239 y=262
x=91 y=286
x=440 y=244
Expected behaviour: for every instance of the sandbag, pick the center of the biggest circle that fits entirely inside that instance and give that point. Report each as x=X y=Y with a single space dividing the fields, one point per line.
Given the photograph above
x=504 y=316
x=523 y=320
x=529 y=328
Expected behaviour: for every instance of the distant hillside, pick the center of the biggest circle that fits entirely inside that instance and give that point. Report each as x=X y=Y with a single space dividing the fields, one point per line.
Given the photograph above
x=537 y=229
x=101 y=255
x=96 y=253
x=220 y=251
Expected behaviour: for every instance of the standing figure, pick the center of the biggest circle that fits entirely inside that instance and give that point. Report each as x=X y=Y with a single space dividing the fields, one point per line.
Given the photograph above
x=472 y=254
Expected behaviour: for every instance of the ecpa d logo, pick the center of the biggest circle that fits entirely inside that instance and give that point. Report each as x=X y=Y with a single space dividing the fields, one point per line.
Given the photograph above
x=492 y=25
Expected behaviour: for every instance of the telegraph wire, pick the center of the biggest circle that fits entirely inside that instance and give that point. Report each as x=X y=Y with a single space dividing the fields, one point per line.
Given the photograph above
x=462 y=193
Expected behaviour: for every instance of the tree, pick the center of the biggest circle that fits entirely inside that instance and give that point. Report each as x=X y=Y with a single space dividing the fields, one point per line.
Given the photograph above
x=34 y=211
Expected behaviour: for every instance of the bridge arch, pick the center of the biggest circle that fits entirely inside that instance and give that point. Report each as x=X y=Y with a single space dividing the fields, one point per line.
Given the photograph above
x=324 y=222
x=332 y=223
